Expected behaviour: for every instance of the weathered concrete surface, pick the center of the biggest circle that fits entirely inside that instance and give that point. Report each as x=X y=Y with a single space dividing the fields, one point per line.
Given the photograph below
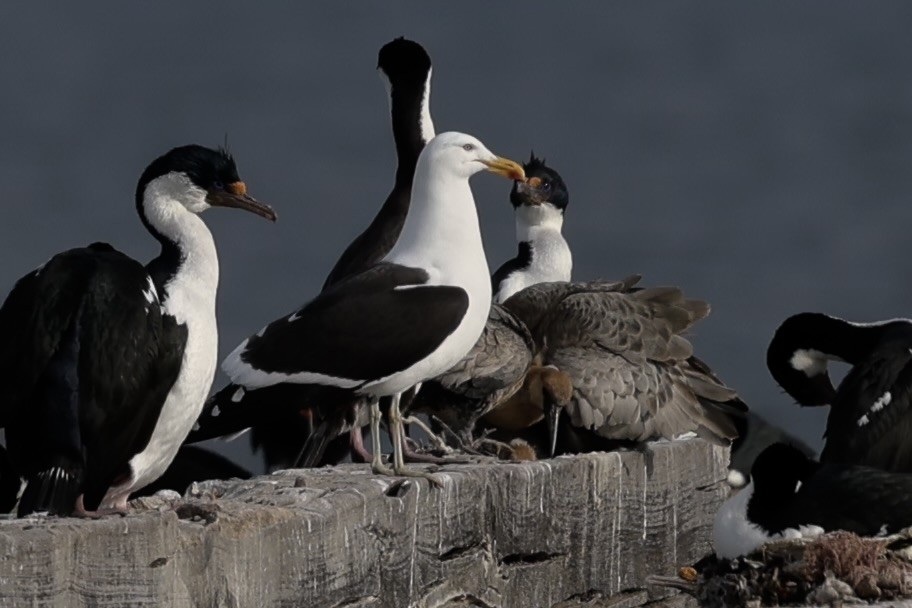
x=571 y=531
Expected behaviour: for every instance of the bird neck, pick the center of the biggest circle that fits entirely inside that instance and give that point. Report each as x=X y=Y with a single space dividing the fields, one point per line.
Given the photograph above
x=540 y=227
x=538 y=222
x=441 y=232
x=824 y=338
x=186 y=270
x=410 y=115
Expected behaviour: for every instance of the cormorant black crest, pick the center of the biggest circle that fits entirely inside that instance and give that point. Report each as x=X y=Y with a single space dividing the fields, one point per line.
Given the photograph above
x=204 y=166
x=404 y=61
x=549 y=189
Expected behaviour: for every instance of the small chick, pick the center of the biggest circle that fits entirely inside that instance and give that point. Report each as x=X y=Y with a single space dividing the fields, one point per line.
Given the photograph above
x=520 y=450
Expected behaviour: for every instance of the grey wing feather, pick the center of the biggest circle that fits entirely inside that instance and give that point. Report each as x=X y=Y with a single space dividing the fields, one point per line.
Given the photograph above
x=640 y=325
x=533 y=304
x=618 y=399
x=498 y=360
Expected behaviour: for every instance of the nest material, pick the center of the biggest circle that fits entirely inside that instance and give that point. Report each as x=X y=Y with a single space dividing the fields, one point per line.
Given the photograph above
x=833 y=569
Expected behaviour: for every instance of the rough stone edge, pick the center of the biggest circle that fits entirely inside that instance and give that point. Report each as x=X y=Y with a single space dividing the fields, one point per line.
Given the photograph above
x=193 y=562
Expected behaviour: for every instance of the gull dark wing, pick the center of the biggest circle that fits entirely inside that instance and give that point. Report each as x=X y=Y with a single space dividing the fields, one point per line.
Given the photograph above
x=359 y=331
x=284 y=406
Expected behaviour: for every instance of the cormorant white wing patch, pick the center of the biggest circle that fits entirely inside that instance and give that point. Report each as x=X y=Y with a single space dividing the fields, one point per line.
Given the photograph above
x=810 y=361
x=883 y=401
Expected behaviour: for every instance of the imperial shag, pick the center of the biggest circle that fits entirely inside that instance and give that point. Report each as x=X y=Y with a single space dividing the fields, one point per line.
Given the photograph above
x=105 y=362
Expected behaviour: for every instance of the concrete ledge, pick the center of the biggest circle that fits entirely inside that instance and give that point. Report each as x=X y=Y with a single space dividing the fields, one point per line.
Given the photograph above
x=572 y=531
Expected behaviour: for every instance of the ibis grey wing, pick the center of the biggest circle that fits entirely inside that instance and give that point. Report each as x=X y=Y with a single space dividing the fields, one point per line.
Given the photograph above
x=639 y=325
x=618 y=399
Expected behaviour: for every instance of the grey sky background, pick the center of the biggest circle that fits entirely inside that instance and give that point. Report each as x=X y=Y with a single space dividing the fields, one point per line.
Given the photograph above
x=757 y=155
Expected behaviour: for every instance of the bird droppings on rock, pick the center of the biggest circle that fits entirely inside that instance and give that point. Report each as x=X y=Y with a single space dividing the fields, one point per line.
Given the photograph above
x=198 y=512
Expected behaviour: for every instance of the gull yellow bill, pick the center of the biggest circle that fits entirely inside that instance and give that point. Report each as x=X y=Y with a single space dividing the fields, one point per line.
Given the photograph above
x=506 y=167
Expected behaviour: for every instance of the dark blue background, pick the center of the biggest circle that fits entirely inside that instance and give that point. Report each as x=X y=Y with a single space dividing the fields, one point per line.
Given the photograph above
x=756 y=154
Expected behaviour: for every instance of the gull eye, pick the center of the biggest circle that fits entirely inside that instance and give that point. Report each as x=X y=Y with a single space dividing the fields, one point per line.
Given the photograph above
x=468 y=147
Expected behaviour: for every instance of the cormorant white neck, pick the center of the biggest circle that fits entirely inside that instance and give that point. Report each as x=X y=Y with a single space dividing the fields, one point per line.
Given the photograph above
x=169 y=209
x=405 y=69
x=534 y=222
x=427 y=125
x=544 y=255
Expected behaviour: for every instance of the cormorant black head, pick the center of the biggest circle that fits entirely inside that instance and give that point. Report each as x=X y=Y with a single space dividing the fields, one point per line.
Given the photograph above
x=196 y=177
x=404 y=62
x=797 y=360
x=543 y=186
x=779 y=468
x=777 y=475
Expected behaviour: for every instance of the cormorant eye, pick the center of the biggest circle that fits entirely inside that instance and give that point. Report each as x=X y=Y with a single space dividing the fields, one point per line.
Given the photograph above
x=546 y=185
x=468 y=147
x=218 y=185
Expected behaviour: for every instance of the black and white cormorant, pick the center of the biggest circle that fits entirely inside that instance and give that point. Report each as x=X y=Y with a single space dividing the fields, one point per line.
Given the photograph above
x=405 y=67
x=105 y=362
x=9 y=483
x=870 y=419
x=544 y=255
x=790 y=495
x=402 y=321
x=634 y=374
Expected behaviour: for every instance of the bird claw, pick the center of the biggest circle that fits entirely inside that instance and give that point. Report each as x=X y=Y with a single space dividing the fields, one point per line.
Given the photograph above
x=80 y=511
x=463 y=441
x=439 y=443
x=382 y=469
x=435 y=480
x=378 y=468
x=412 y=456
